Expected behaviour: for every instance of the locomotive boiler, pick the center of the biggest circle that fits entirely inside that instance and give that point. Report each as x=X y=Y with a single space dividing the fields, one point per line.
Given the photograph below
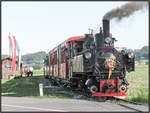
x=91 y=63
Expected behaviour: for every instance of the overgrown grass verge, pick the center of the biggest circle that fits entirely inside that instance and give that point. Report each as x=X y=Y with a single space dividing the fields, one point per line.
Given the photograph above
x=138 y=89
x=29 y=87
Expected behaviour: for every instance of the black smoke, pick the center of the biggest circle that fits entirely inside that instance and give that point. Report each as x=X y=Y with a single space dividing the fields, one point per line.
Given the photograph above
x=125 y=10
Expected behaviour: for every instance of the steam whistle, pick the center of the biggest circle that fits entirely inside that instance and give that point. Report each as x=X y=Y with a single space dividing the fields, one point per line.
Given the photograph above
x=100 y=30
x=91 y=31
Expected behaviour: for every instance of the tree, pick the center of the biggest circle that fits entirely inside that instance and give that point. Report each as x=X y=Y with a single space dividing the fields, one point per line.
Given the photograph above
x=142 y=53
x=37 y=66
x=137 y=56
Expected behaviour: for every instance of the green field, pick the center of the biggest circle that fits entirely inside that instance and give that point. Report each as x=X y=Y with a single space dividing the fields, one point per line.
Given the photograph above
x=29 y=86
x=138 y=89
x=38 y=72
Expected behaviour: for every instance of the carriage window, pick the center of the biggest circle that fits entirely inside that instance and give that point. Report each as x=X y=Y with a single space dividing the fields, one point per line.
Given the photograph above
x=78 y=47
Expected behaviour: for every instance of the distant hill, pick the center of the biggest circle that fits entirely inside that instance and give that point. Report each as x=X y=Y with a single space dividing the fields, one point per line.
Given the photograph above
x=37 y=58
x=34 y=57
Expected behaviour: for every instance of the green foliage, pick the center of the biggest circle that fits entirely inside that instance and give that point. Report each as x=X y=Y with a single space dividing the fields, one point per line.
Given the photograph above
x=37 y=66
x=137 y=56
x=144 y=49
x=146 y=63
x=38 y=72
x=142 y=53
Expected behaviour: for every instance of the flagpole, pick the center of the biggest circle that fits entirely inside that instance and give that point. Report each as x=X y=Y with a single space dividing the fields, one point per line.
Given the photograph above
x=9 y=51
x=11 y=45
x=18 y=51
x=19 y=59
x=14 y=63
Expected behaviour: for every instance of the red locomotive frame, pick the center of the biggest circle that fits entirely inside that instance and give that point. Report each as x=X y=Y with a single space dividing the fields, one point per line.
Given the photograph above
x=109 y=92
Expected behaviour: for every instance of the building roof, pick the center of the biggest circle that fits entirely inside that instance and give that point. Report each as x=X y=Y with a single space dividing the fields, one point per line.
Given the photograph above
x=7 y=58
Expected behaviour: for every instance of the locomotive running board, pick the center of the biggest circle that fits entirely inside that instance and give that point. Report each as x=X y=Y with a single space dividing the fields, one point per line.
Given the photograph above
x=109 y=94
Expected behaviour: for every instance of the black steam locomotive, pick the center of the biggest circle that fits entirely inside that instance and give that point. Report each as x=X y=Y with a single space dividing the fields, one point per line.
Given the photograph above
x=91 y=63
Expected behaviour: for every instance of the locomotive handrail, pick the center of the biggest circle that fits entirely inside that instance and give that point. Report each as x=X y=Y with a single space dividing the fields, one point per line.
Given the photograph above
x=83 y=51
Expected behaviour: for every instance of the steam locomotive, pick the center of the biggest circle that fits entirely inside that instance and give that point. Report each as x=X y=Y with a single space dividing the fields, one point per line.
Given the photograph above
x=91 y=63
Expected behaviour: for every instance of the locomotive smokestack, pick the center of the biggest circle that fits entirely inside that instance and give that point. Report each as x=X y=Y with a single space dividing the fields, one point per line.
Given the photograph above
x=106 y=27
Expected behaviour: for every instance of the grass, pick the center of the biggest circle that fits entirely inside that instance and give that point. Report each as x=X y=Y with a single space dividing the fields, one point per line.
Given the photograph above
x=29 y=87
x=138 y=89
x=20 y=87
x=38 y=72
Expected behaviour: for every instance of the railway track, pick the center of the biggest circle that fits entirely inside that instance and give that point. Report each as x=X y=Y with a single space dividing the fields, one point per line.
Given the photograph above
x=123 y=100
x=116 y=99
x=112 y=99
x=131 y=102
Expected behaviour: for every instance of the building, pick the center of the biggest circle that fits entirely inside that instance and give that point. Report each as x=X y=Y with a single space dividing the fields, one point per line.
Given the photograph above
x=6 y=68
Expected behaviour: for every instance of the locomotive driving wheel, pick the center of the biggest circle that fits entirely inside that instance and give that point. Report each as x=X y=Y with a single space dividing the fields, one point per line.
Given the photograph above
x=93 y=89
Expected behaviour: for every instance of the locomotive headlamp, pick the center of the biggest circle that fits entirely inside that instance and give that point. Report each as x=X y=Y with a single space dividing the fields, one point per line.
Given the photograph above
x=131 y=55
x=108 y=40
x=87 y=55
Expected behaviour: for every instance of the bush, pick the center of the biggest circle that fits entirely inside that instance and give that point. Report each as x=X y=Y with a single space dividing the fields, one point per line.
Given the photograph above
x=146 y=63
x=37 y=66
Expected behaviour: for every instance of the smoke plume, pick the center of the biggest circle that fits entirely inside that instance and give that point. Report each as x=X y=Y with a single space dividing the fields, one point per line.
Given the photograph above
x=125 y=10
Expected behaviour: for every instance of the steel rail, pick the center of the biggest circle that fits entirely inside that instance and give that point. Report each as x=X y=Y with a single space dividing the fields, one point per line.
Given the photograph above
x=132 y=102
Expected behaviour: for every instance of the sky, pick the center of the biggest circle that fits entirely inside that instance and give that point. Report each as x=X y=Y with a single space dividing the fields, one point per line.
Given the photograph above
x=41 y=26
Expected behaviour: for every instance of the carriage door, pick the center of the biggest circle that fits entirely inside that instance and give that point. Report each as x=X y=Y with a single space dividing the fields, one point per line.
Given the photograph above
x=70 y=56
